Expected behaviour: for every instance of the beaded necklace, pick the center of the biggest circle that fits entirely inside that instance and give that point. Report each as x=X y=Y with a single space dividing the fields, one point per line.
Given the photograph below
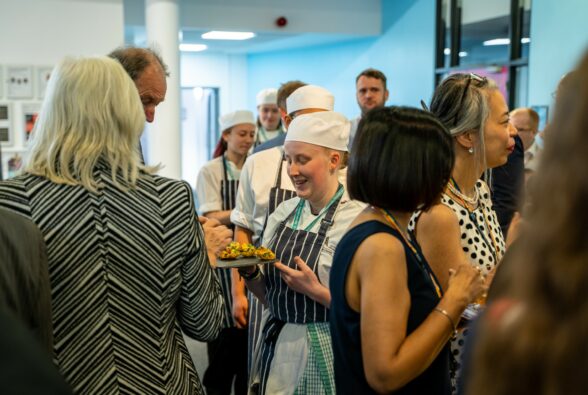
x=453 y=187
x=392 y=221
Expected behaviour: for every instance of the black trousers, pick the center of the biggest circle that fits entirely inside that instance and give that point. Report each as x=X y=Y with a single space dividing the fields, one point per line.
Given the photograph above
x=227 y=360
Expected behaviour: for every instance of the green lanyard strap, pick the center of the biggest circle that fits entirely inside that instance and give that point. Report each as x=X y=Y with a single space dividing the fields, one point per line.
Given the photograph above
x=228 y=169
x=300 y=207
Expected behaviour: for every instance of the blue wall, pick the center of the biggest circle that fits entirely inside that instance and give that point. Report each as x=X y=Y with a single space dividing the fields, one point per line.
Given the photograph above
x=405 y=52
x=559 y=35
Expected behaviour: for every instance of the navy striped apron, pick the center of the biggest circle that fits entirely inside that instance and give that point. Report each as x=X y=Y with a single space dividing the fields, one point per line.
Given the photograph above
x=228 y=195
x=285 y=304
x=277 y=196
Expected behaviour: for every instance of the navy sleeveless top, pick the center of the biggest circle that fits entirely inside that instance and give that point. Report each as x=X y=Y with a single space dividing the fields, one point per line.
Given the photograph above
x=345 y=322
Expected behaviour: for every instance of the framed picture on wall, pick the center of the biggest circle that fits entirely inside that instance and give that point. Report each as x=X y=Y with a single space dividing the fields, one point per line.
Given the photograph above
x=30 y=112
x=43 y=75
x=6 y=136
x=19 y=82
x=12 y=164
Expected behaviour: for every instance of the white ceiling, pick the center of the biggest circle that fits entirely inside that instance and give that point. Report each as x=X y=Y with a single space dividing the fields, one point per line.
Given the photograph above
x=309 y=22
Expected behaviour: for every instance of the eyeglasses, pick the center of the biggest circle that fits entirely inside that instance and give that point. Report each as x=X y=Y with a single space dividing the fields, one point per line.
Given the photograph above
x=480 y=82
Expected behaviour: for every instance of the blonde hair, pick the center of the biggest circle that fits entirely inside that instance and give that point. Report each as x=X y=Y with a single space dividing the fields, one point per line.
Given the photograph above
x=91 y=113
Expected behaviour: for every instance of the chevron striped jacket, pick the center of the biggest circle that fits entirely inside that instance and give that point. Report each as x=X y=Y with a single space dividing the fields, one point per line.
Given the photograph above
x=128 y=272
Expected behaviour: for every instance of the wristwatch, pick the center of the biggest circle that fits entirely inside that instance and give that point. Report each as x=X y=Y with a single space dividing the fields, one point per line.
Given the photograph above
x=250 y=276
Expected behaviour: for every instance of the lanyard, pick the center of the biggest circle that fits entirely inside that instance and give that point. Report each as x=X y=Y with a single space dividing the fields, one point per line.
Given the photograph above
x=392 y=221
x=300 y=207
x=261 y=132
x=228 y=169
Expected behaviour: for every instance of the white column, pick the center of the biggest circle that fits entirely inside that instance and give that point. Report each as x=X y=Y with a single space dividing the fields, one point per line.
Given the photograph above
x=164 y=139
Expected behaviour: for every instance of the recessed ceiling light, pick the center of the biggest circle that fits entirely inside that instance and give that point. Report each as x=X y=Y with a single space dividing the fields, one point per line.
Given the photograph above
x=497 y=41
x=193 y=47
x=462 y=54
x=525 y=40
x=447 y=51
x=219 y=35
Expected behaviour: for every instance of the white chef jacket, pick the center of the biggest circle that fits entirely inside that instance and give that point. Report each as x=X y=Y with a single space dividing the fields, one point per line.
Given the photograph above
x=257 y=178
x=208 y=184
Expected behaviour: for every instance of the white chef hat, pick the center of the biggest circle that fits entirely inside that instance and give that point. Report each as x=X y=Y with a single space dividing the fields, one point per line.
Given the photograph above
x=310 y=96
x=325 y=128
x=267 y=96
x=235 y=118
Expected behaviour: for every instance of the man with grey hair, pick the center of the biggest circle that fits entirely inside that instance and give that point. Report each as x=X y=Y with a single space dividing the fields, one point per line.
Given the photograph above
x=148 y=71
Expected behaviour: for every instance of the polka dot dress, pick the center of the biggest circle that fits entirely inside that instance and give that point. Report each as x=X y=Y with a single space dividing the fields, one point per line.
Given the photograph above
x=476 y=243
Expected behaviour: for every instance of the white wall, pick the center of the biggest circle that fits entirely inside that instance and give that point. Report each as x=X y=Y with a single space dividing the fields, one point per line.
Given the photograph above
x=325 y=16
x=559 y=37
x=216 y=70
x=405 y=52
x=41 y=32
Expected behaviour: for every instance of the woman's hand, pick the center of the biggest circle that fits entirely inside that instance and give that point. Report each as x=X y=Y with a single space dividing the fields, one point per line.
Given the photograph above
x=466 y=284
x=305 y=281
x=216 y=236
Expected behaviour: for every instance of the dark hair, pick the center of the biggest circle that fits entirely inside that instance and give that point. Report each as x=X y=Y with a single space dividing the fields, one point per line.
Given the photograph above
x=220 y=148
x=372 y=73
x=286 y=89
x=25 y=291
x=135 y=60
x=401 y=159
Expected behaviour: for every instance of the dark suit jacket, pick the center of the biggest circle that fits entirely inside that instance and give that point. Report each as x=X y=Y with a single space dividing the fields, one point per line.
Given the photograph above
x=25 y=368
x=507 y=186
x=24 y=275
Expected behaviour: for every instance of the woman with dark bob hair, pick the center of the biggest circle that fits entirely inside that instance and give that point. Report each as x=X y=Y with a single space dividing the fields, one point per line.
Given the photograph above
x=390 y=320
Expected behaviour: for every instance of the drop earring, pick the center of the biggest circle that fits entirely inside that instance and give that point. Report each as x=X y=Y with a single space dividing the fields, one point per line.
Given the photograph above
x=471 y=150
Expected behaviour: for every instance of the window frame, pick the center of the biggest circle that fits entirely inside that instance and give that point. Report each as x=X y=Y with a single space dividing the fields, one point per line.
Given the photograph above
x=515 y=60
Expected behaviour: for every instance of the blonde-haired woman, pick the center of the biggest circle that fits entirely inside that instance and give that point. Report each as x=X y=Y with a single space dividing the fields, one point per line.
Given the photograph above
x=127 y=264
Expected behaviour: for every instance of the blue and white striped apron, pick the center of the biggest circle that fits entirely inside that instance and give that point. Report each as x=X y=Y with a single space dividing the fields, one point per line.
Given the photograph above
x=228 y=195
x=285 y=304
x=277 y=196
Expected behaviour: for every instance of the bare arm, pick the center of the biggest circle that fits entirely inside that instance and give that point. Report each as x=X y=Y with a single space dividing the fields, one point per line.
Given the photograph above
x=392 y=359
x=240 y=303
x=438 y=234
x=224 y=217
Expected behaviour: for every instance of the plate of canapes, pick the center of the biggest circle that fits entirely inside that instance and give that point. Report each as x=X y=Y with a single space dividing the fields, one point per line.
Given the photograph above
x=244 y=254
